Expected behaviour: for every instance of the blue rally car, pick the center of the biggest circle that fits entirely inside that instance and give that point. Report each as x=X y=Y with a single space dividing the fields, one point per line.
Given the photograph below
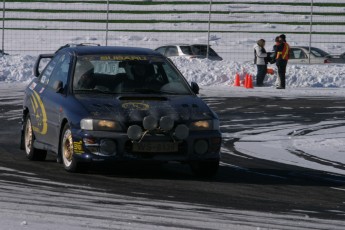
x=103 y=104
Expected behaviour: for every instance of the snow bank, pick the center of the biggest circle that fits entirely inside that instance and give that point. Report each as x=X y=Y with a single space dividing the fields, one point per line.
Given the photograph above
x=16 y=68
x=207 y=73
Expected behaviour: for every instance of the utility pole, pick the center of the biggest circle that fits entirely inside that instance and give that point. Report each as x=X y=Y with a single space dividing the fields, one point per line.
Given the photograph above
x=107 y=25
x=3 y=27
x=209 y=28
x=311 y=28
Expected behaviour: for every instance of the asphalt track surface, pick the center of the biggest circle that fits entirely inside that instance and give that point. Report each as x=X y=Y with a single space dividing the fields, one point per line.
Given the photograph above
x=249 y=184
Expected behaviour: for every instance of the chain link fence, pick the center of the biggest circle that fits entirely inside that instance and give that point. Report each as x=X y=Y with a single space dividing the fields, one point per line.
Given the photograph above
x=230 y=27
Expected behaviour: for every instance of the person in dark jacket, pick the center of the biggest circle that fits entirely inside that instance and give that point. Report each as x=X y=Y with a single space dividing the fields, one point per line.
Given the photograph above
x=281 y=58
x=273 y=60
x=260 y=56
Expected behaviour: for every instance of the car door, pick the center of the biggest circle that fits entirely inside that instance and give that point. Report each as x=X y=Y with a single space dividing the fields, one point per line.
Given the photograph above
x=35 y=96
x=53 y=99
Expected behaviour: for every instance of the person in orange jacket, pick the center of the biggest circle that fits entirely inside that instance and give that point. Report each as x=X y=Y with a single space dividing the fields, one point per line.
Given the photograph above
x=281 y=59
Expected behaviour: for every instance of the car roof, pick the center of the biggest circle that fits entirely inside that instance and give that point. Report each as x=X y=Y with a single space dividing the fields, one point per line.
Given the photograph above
x=104 y=50
x=183 y=44
x=304 y=47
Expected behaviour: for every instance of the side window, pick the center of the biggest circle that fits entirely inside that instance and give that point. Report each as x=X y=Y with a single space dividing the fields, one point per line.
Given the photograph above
x=170 y=73
x=297 y=54
x=200 y=50
x=186 y=50
x=60 y=72
x=316 y=53
x=48 y=70
x=172 y=51
x=161 y=50
x=303 y=55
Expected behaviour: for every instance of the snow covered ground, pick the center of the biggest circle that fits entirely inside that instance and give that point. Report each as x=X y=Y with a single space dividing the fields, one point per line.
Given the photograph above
x=216 y=80
x=92 y=208
x=325 y=142
x=51 y=205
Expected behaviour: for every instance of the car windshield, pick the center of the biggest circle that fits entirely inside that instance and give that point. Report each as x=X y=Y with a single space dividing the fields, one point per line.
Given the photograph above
x=127 y=74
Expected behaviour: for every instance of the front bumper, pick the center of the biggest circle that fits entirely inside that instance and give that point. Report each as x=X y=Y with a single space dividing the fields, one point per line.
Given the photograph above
x=199 y=146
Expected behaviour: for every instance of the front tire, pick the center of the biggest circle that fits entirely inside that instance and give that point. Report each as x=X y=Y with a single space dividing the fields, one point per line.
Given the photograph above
x=67 y=150
x=29 y=138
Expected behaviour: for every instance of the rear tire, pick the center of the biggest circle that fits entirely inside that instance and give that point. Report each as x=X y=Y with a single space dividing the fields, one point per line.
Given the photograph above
x=29 y=138
x=67 y=151
x=206 y=169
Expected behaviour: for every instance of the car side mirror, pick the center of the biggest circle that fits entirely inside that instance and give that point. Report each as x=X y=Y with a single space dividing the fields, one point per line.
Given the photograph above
x=195 y=88
x=58 y=86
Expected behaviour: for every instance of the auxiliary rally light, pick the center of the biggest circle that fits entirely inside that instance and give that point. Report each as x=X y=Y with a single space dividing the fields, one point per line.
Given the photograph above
x=150 y=123
x=135 y=132
x=166 y=123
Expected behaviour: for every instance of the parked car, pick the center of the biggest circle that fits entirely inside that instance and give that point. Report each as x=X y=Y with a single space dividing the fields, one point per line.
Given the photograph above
x=187 y=50
x=300 y=55
x=336 y=58
x=93 y=104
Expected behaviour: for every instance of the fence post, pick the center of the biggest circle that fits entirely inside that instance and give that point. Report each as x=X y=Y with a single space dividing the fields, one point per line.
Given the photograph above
x=311 y=27
x=209 y=28
x=107 y=25
x=3 y=27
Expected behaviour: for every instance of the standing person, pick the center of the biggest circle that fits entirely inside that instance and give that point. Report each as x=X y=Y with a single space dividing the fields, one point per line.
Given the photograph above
x=282 y=57
x=260 y=55
x=276 y=44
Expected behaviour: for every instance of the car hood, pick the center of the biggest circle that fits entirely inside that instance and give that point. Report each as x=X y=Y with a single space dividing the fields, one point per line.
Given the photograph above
x=129 y=109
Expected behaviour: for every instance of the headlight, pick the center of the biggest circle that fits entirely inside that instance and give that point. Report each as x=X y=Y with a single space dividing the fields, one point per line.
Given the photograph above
x=205 y=125
x=99 y=125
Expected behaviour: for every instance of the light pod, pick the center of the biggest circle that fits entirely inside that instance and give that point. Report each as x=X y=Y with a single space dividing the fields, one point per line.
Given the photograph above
x=181 y=132
x=166 y=123
x=134 y=132
x=150 y=123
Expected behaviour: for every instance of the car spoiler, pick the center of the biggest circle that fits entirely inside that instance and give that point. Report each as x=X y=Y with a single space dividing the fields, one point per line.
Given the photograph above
x=37 y=63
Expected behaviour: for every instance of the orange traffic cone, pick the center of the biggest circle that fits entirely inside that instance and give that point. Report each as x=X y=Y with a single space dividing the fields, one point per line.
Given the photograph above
x=237 y=80
x=245 y=80
x=250 y=82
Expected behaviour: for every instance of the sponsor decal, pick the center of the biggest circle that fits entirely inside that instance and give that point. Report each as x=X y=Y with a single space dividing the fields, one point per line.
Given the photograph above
x=130 y=58
x=41 y=91
x=124 y=58
x=135 y=106
x=78 y=147
x=39 y=113
x=32 y=86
